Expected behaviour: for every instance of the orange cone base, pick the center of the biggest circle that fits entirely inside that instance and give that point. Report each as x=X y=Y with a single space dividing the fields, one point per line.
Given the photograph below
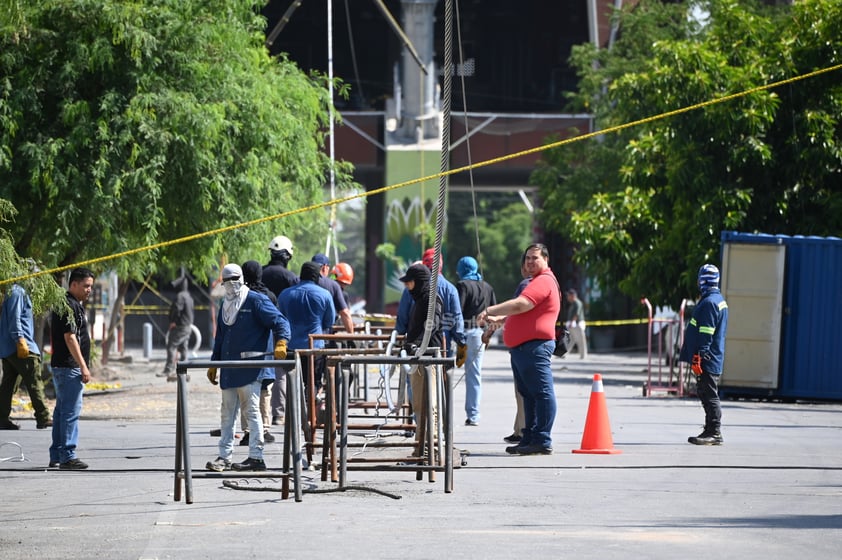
x=599 y=451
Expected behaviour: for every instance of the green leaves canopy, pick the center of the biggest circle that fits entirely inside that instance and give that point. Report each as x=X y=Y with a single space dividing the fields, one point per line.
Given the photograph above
x=647 y=205
x=124 y=124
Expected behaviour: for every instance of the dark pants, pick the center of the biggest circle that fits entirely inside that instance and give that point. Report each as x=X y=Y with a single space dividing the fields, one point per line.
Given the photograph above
x=29 y=370
x=707 y=387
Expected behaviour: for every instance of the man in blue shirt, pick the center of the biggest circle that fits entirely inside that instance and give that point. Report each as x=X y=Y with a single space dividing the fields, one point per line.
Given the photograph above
x=311 y=309
x=21 y=358
x=704 y=350
x=247 y=322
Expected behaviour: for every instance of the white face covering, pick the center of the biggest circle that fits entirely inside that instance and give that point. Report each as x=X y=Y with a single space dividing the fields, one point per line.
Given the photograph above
x=235 y=295
x=232 y=288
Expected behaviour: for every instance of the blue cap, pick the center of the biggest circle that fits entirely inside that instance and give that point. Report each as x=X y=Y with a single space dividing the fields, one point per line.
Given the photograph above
x=321 y=259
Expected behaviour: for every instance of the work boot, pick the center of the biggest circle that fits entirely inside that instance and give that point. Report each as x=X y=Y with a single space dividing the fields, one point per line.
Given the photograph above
x=707 y=437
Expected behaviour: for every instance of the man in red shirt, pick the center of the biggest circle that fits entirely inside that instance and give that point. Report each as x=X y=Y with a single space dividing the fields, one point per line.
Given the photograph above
x=530 y=336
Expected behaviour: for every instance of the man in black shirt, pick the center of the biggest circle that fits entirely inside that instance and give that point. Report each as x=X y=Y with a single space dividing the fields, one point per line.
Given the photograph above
x=70 y=362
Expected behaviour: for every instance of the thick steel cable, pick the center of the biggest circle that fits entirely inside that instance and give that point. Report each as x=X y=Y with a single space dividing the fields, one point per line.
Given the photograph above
x=445 y=164
x=403 y=184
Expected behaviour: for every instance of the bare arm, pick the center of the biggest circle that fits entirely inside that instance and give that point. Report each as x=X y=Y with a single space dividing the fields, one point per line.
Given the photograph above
x=76 y=352
x=347 y=320
x=498 y=313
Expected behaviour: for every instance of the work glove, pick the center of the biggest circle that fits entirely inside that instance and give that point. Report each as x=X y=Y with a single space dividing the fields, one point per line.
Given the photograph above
x=461 y=354
x=696 y=364
x=280 y=350
x=212 y=376
x=23 y=348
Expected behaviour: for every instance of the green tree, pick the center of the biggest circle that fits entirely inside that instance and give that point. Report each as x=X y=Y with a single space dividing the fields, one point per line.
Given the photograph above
x=125 y=124
x=646 y=206
x=504 y=226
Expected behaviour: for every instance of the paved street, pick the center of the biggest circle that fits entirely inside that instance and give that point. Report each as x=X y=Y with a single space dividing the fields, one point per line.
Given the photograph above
x=774 y=490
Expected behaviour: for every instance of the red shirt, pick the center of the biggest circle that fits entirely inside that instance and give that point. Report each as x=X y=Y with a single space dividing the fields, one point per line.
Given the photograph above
x=539 y=322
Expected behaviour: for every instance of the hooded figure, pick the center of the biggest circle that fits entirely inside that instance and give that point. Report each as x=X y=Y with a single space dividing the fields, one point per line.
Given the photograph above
x=468 y=269
x=704 y=349
x=252 y=276
x=235 y=292
x=417 y=280
x=311 y=271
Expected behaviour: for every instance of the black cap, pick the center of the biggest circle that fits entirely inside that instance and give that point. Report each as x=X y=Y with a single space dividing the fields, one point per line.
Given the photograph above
x=417 y=272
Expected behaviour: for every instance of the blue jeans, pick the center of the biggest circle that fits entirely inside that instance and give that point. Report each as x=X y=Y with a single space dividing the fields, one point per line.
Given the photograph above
x=473 y=373
x=534 y=380
x=249 y=394
x=69 y=386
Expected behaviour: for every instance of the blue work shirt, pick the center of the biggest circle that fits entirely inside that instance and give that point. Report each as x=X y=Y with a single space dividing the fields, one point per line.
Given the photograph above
x=16 y=322
x=258 y=321
x=705 y=335
x=311 y=310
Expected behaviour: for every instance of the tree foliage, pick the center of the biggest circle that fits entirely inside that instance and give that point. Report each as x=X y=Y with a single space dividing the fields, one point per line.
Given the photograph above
x=646 y=205
x=504 y=227
x=126 y=124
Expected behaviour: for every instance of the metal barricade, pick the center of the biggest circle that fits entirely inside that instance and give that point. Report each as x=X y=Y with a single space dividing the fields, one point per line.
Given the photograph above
x=669 y=381
x=429 y=462
x=183 y=472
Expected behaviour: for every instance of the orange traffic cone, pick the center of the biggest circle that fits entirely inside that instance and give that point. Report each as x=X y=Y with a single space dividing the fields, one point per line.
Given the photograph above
x=597 y=436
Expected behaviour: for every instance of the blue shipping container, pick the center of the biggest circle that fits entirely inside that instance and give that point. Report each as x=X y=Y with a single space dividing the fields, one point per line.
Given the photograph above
x=797 y=312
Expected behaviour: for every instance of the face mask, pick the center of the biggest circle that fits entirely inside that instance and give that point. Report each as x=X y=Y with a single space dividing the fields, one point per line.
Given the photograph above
x=232 y=288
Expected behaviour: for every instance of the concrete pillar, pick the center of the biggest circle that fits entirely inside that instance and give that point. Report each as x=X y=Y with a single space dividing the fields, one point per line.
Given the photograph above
x=419 y=88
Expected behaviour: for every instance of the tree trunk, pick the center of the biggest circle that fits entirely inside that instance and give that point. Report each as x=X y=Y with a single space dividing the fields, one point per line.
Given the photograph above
x=115 y=319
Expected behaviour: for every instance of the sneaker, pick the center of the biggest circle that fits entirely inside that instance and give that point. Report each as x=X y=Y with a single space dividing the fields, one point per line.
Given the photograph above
x=245 y=440
x=707 y=437
x=514 y=438
x=8 y=425
x=268 y=438
x=534 y=450
x=73 y=465
x=513 y=450
x=52 y=465
x=219 y=465
x=470 y=422
x=44 y=424
x=250 y=465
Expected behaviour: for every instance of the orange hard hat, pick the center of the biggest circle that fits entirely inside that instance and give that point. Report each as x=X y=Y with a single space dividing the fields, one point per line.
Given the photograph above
x=344 y=273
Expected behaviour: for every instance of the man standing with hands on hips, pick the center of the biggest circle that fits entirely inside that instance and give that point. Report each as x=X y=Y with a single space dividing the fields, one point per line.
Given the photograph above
x=530 y=336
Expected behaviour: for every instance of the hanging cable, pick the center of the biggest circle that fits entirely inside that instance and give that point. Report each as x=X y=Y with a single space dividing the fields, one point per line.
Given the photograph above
x=353 y=52
x=467 y=133
x=445 y=164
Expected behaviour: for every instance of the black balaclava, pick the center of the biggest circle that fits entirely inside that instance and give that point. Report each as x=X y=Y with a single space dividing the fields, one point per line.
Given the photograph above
x=252 y=273
x=421 y=275
x=310 y=271
x=281 y=256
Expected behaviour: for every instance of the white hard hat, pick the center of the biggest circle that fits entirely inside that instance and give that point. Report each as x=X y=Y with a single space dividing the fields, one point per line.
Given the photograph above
x=280 y=243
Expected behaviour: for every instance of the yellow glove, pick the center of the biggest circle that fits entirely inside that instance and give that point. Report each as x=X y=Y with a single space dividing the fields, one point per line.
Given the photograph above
x=212 y=376
x=281 y=349
x=461 y=354
x=23 y=348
